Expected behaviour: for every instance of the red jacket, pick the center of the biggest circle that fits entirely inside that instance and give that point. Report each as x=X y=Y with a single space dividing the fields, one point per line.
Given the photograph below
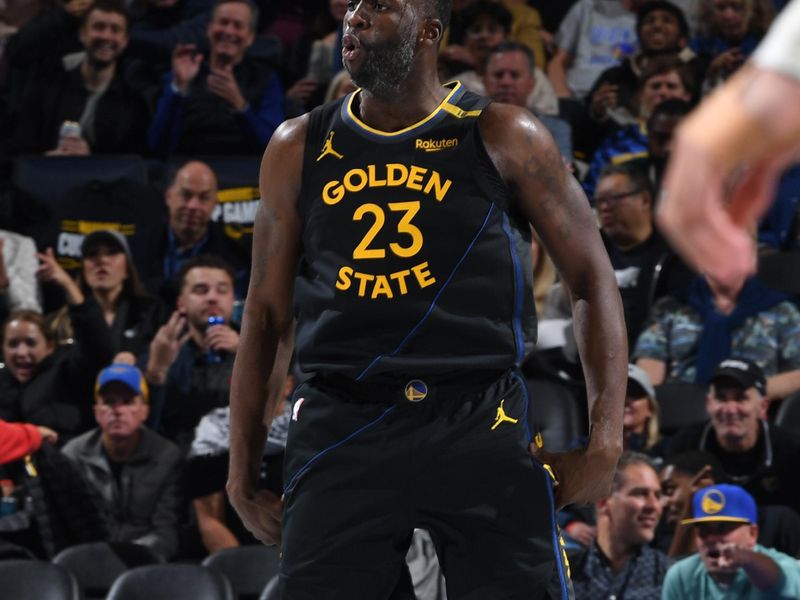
x=17 y=440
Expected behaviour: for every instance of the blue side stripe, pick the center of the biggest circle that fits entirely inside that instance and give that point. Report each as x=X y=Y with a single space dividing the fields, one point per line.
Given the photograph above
x=519 y=286
x=322 y=453
x=556 y=546
x=435 y=298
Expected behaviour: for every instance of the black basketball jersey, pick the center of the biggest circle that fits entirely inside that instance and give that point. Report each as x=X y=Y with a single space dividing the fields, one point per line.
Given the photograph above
x=415 y=263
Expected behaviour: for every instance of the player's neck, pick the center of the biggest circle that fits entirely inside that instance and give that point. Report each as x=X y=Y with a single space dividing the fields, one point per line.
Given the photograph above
x=409 y=106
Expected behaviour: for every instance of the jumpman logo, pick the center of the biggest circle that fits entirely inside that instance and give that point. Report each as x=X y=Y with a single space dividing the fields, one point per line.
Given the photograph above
x=502 y=416
x=327 y=148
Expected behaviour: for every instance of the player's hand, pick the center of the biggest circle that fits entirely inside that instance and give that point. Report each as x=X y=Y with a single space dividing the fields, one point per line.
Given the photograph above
x=186 y=62
x=222 y=83
x=261 y=512
x=581 y=476
x=222 y=337
x=711 y=233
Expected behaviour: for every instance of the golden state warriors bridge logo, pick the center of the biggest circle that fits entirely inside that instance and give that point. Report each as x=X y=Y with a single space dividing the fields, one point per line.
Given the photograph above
x=713 y=502
x=416 y=390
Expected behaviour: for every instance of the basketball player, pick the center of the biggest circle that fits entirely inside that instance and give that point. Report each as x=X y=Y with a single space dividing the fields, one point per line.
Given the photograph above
x=394 y=226
x=750 y=125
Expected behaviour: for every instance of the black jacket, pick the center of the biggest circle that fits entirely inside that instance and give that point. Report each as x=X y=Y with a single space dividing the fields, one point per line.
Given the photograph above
x=54 y=95
x=60 y=393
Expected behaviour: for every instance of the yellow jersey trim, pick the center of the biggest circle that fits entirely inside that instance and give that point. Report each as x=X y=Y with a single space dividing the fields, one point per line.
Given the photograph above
x=442 y=106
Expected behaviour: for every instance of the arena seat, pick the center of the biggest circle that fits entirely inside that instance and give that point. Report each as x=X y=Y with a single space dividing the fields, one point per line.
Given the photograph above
x=36 y=580
x=96 y=565
x=271 y=591
x=680 y=404
x=779 y=270
x=670 y=275
x=173 y=581
x=248 y=568
x=788 y=415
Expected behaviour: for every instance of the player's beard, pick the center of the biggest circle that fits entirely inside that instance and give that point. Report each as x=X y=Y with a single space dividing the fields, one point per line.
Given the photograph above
x=386 y=66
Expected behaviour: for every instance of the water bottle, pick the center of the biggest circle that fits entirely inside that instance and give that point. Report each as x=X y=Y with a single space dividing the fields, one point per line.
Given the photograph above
x=214 y=357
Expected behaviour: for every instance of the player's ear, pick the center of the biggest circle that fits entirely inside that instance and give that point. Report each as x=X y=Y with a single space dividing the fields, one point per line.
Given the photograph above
x=432 y=31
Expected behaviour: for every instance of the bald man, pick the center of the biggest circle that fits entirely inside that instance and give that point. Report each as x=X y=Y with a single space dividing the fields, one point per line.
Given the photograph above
x=190 y=198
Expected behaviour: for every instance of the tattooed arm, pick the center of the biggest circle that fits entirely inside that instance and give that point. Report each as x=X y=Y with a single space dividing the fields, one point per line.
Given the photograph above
x=529 y=162
x=267 y=328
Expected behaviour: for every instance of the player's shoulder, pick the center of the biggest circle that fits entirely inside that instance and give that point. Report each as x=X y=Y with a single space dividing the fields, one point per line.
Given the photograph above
x=291 y=131
x=500 y=122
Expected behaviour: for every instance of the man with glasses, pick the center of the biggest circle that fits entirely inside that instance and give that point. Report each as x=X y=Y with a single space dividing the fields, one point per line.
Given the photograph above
x=624 y=204
x=729 y=562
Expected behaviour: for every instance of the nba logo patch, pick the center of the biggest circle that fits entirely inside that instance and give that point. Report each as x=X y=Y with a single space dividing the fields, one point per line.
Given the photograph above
x=416 y=390
x=296 y=408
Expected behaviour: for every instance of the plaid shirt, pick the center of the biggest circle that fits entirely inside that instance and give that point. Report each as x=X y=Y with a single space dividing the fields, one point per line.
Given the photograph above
x=640 y=579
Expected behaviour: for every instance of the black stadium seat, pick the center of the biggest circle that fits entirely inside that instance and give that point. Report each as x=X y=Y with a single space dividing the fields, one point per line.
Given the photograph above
x=680 y=404
x=36 y=580
x=97 y=564
x=271 y=592
x=788 y=415
x=248 y=568
x=171 y=582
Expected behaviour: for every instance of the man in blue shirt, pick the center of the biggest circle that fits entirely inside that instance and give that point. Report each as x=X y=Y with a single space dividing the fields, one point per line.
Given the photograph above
x=729 y=563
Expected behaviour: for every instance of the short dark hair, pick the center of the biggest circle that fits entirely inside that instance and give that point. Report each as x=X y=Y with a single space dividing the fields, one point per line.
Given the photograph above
x=109 y=6
x=439 y=9
x=691 y=461
x=666 y=63
x=494 y=10
x=504 y=47
x=628 y=459
x=634 y=170
x=669 y=7
x=209 y=261
x=253 y=10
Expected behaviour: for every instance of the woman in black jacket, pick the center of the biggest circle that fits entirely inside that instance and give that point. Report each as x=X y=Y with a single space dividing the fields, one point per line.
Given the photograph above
x=108 y=274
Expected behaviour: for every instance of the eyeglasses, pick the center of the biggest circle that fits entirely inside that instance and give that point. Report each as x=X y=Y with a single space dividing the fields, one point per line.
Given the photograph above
x=614 y=198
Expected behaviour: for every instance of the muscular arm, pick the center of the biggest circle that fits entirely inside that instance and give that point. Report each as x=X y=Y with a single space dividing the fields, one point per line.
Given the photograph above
x=267 y=316
x=550 y=197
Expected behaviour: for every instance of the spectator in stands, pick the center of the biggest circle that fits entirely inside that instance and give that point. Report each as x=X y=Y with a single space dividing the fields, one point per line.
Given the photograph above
x=207 y=471
x=42 y=382
x=488 y=25
x=19 y=439
x=665 y=77
x=190 y=361
x=191 y=198
x=86 y=89
x=340 y=86
x=158 y=25
x=624 y=201
x=108 y=274
x=525 y=28
x=729 y=31
x=18 y=287
x=640 y=421
x=754 y=453
x=661 y=28
x=509 y=78
x=729 y=563
x=689 y=333
x=592 y=37
x=133 y=469
x=620 y=563
x=226 y=103
x=685 y=473
x=660 y=127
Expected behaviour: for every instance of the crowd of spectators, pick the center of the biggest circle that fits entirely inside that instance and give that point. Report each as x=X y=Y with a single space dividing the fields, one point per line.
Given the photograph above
x=118 y=356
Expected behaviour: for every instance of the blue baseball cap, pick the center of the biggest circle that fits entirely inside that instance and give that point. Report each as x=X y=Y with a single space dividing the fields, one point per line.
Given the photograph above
x=126 y=374
x=723 y=503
